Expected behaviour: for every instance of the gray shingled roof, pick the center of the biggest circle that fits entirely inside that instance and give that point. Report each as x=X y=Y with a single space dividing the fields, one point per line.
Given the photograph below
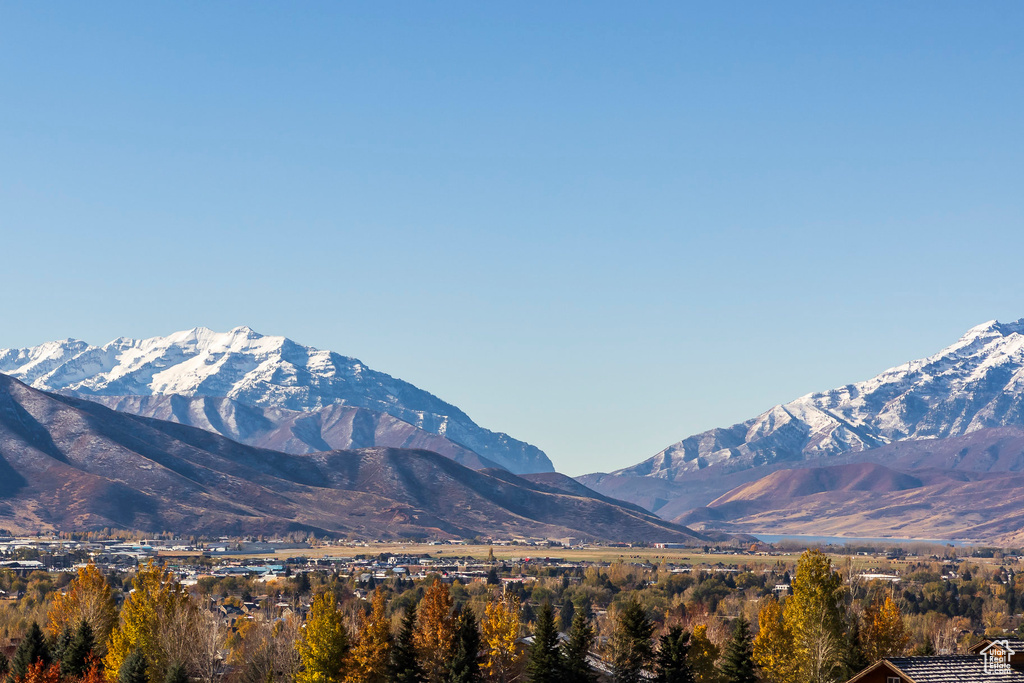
x=1014 y=644
x=951 y=669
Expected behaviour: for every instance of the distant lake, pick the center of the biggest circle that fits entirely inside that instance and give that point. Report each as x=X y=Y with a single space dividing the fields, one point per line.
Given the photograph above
x=843 y=540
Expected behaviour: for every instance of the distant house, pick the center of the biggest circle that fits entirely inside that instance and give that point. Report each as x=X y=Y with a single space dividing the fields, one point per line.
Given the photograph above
x=973 y=668
x=1012 y=649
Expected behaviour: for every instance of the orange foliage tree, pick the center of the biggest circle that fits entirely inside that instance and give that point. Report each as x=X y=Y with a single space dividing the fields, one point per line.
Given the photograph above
x=88 y=598
x=435 y=632
x=372 y=652
x=884 y=634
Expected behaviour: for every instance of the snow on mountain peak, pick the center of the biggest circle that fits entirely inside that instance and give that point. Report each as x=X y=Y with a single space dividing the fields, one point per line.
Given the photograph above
x=975 y=383
x=256 y=370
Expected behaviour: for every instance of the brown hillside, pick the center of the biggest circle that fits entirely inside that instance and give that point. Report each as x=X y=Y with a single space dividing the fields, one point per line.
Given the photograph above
x=69 y=464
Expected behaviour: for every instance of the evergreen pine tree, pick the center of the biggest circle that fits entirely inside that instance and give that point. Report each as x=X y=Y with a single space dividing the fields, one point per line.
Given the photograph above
x=854 y=659
x=581 y=638
x=566 y=613
x=632 y=650
x=73 y=661
x=133 y=670
x=492 y=577
x=670 y=664
x=176 y=673
x=738 y=662
x=466 y=657
x=61 y=643
x=31 y=650
x=545 y=662
x=405 y=667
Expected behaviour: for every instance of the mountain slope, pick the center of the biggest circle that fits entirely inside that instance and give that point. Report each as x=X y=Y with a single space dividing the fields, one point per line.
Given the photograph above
x=334 y=427
x=70 y=464
x=255 y=371
x=872 y=500
x=974 y=384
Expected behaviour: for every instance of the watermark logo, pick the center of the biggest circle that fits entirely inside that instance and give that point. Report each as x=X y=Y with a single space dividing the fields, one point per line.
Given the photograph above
x=997 y=657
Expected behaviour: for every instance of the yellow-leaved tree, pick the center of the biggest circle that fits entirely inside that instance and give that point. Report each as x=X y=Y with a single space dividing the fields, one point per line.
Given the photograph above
x=500 y=631
x=372 y=652
x=157 y=601
x=774 y=647
x=435 y=632
x=88 y=598
x=816 y=613
x=702 y=655
x=884 y=633
x=323 y=647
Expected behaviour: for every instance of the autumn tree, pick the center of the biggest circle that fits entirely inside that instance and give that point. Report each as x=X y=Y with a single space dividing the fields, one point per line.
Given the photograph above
x=544 y=662
x=500 y=632
x=774 y=646
x=465 y=666
x=405 y=666
x=816 y=614
x=576 y=649
x=670 y=663
x=372 y=652
x=883 y=634
x=435 y=632
x=88 y=598
x=156 y=602
x=40 y=673
x=324 y=645
x=632 y=649
x=94 y=674
x=737 y=664
x=703 y=655
x=265 y=649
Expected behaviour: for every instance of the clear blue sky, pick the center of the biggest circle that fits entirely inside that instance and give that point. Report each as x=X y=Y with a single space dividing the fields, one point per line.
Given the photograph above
x=600 y=227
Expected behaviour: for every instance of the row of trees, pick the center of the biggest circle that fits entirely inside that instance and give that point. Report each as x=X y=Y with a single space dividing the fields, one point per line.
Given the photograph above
x=814 y=637
x=162 y=633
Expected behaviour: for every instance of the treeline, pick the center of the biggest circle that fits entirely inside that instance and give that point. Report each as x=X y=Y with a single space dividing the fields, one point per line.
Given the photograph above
x=621 y=622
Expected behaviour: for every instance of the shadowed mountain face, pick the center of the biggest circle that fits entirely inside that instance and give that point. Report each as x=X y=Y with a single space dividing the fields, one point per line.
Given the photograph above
x=275 y=377
x=969 y=388
x=70 y=464
x=334 y=427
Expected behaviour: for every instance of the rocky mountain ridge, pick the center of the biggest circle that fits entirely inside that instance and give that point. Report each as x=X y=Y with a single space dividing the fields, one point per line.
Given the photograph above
x=976 y=383
x=257 y=371
x=974 y=386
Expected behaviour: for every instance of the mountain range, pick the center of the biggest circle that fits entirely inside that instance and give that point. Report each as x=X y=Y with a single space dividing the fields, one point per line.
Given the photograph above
x=69 y=464
x=241 y=432
x=266 y=391
x=972 y=390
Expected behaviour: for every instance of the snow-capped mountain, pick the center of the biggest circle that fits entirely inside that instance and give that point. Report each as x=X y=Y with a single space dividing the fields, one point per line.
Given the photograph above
x=252 y=370
x=976 y=383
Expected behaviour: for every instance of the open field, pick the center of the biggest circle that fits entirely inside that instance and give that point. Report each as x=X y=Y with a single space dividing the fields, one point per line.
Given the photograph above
x=590 y=554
